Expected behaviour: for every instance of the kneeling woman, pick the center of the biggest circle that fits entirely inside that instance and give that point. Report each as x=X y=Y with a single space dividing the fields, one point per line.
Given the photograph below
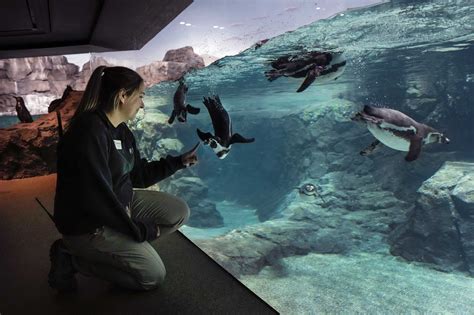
x=106 y=225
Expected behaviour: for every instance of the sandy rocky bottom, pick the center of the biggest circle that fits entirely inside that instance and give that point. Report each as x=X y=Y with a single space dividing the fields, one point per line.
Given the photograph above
x=368 y=283
x=365 y=283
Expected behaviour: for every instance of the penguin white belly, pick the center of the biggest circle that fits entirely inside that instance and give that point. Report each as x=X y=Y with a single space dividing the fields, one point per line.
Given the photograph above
x=388 y=138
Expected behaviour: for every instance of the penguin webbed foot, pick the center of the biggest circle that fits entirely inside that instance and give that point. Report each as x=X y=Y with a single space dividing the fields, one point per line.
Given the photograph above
x=182 y=115
x=173 y=116
x=272 y=75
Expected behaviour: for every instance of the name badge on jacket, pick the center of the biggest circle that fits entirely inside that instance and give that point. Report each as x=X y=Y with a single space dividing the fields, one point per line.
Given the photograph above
x=118 y=144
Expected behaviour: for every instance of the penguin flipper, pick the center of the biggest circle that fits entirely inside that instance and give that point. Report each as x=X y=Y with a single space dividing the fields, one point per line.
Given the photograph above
x=173 y=116
x=415 y=149
x=237 y=138
x=182 y=117
x=310 y=77
x=370 y=148
x=192 y=110
x=204 y=136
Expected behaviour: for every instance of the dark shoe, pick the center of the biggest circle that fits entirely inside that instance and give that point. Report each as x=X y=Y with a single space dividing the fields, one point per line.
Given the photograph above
x=61 y=275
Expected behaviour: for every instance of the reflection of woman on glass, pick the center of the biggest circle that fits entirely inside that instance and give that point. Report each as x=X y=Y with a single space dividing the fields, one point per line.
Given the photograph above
x=106 y=225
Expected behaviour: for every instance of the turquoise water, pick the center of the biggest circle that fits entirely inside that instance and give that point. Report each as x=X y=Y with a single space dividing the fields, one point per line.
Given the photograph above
x=7 y=121
x=347 y=254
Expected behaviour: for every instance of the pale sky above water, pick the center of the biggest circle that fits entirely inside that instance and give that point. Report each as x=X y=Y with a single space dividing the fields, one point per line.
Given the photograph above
x=226 y=27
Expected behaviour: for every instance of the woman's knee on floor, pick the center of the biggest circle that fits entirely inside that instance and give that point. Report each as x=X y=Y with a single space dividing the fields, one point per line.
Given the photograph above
x=151 y=276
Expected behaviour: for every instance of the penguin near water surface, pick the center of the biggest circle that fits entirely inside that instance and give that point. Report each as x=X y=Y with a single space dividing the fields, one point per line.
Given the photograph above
x=314 y=66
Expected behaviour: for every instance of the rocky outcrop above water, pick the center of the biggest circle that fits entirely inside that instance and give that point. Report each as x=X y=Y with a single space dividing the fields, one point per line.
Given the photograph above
x=185 y=55
x=29 y=149
x=174 y=65
x=81 y=81
x=40 y=80
x=440 y=228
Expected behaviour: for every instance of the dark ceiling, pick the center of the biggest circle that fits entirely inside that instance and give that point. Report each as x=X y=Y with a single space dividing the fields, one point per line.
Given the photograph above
x=56 y=27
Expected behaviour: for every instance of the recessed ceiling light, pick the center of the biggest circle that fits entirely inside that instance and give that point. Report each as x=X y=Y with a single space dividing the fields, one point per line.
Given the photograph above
x=222 y=27
x=182 y=23
x=318 y=8
x=188 y=24
x=215 y=26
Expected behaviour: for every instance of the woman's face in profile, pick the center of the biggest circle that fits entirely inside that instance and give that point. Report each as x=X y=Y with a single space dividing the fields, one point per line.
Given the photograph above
x=134 y=102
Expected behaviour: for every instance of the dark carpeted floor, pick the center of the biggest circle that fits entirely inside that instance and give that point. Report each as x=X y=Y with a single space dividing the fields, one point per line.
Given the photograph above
x=195 y=284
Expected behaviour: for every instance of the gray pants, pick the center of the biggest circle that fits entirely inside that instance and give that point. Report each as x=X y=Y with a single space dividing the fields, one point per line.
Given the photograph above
x=118 y=258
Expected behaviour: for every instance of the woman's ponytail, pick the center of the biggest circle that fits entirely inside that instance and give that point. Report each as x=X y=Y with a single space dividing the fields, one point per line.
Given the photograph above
x=90 y=98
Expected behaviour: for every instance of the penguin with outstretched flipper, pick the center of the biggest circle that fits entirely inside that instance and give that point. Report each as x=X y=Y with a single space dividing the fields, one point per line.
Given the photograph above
x=223 y=137
x=397 y=131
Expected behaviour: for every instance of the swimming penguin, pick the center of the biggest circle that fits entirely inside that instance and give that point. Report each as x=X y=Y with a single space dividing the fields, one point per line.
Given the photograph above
x=397 y=131
x=309 y=190
x=180 y=109
x=21 y=111
x=223 y=137
x=260 y=43
x=313 y=66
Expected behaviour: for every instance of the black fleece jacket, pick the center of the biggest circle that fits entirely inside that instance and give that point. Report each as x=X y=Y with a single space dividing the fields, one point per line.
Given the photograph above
x=98 y=165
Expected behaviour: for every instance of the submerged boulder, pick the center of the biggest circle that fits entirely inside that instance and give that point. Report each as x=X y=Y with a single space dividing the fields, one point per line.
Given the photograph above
x=440 y=228
x=246 y=251
x=195 y=192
